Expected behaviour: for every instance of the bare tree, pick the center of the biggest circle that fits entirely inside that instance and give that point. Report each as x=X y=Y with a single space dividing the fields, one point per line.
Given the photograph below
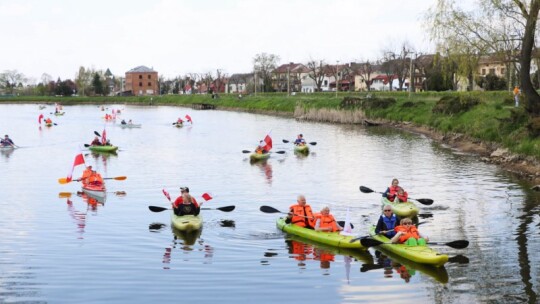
x=364 y=71
x=316 y=72
x=263 y=65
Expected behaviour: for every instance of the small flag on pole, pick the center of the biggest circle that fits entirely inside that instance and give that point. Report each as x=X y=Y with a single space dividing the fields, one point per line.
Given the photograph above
x=79 y=160
x=207 y=196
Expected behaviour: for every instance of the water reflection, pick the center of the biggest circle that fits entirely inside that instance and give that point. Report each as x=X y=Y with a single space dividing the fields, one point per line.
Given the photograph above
x=403 y=268
x=265 y=167
x=185 y=242
x=6 y=152
x=78 y=216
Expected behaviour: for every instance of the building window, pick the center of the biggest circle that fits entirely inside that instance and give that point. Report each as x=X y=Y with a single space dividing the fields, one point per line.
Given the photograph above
x=140 y=76
x=149 y=84
x=140 y=84
x=325 y=83
x=483 y=71
x=492 y=71
x=149 y=76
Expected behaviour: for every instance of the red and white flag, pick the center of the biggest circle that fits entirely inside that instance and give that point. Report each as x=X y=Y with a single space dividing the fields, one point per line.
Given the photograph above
x=166 y=194
x=40 y=118
x=268 y=142
x=79 y=160
x=207 y=196
x=347 y=229
x=104 y=137
x=188 y=118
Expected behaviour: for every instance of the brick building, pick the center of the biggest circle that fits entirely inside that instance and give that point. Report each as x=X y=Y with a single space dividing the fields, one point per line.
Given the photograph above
x=142 y=81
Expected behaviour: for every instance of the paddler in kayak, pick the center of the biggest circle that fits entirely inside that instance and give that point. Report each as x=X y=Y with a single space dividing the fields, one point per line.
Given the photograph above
x=387 y=222
x=300 y=141
x=7 y=142
x=392 y=192
x=86 y=174
x=406 y=233
x=324 y=221
x=95 y=142
x=186 y=204
x=94 y=179
x=301 y=214
x=260 y=148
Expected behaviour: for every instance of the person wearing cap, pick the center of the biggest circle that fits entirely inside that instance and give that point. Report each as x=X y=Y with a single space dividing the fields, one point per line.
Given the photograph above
x=300 y=141
x=186 y=204
x=6 y=142
x=86 y=174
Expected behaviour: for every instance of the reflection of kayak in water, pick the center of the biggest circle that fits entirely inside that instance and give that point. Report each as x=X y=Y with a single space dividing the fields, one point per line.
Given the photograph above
x=360 y=255
x=438 y=273
x=189 y=237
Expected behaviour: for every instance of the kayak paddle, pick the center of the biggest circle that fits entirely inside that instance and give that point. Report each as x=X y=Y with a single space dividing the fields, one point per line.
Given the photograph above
x=68 y=194
x=268 y=209
x=224 y=209
x=64 y=180
x=278 y=152
x=459 y=244
x=424 y=201
x=313 y=143
x=367 y=236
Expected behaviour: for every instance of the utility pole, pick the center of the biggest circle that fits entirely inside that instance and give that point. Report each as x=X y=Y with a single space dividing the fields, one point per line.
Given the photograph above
x=288 y=80
x=337 y=77
x=411 y=80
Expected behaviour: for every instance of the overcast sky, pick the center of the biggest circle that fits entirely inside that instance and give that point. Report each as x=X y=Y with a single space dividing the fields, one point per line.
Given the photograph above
x=198 y=36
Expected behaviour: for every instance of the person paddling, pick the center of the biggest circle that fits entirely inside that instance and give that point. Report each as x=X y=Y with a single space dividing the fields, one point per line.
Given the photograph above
x=95 y=179
x=387 y=222
x=324 y=221
x=406 y=233
x=260 y=148
x=301 y=214
x=96 y=142
x=7 y=142
x=391 y=192
x=300 y=141
x=85 y=175
x=186 y=204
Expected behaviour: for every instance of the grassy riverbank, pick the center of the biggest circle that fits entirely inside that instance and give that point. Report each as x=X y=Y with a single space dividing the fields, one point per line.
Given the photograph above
x=491 y=118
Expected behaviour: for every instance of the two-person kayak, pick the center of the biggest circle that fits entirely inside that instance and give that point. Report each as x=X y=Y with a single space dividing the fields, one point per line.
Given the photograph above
x=324 y=237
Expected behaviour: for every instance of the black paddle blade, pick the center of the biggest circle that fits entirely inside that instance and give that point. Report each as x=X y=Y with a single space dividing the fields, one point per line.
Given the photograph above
x=368 y=267
x=87 y=145
x=285 y=141
x=342 y=224
x=280 y=152
x=370 y=243
x=460 y=244
x=97 y=133
x=268 y=209
x=226 y=208
x=246 y=151
x=425 y=201
x=157 y=209
x=365 y=189
x=459 y=259
x=313 y=143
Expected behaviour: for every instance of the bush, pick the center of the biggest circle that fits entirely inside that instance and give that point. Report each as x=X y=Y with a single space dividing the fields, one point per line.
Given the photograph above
x=454 y=104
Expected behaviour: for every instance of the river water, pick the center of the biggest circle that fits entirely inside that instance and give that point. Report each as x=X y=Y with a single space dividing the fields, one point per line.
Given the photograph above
x=66 y=250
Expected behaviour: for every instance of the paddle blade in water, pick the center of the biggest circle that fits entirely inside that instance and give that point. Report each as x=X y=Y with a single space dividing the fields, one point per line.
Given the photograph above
x=157 y=209
x=365 y=189
x=63 y=180
x=268 y=209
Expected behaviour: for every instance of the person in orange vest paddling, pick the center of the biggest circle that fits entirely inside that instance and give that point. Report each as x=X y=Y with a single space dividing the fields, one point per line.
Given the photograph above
x=407 y=233
x=301 y=214
x=324 y=221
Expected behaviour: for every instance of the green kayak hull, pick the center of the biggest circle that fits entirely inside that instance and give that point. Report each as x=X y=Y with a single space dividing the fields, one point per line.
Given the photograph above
x=258 y=156
x=406 y=209
x=329 y=238
x=301 y=149
x=103 y=148
x=186 y=222
x=419 y=254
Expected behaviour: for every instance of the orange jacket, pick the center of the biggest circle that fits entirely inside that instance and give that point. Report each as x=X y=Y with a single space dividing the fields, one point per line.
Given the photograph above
x=85 y=175
x=48 y=120
x=403 y=197
x=299 y=216
x=326 y=221
x=95 y=178
x=409 y=232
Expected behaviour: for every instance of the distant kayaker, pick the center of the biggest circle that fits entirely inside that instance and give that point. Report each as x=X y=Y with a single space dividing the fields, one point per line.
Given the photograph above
x=179 y=121
x=406 y=233
x=324 y=221
x=130 y=122
x=86 y=174
x=301 y=214
x=392 y=192
x=95 y=179
x=123 y=122
x=96 y=142
x=186 y=204
x=6 y=142
x=260 y=148
x=387 y=222
x=48 y=121
x=300 y=141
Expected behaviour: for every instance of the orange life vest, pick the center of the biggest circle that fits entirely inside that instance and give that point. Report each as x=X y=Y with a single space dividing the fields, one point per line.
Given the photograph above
x=86 y=174
x=326 y=221
x=392 y=192
x=299 y=217
x=403 y=197
x=410 y=232
x=95 y=179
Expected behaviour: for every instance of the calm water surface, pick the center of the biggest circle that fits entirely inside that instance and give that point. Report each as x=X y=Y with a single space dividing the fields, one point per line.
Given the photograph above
x=64 y=250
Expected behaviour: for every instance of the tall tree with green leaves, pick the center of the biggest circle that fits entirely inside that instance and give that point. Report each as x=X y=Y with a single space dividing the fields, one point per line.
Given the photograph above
x=497 y=27
x=97 y=84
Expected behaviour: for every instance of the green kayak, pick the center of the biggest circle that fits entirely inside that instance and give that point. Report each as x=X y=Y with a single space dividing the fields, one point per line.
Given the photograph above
x=301 y=149
x=259 y=156
x=186 y=222
x=418 y=254
x=406 y=209
x=110 y=149
x=329 y=238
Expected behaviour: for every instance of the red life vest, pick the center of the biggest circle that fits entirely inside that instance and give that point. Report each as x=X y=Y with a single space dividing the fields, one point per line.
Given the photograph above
x=300 y=212
x=403 y=197
x=410 y=232
x=326 y=221
x=392 y=191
